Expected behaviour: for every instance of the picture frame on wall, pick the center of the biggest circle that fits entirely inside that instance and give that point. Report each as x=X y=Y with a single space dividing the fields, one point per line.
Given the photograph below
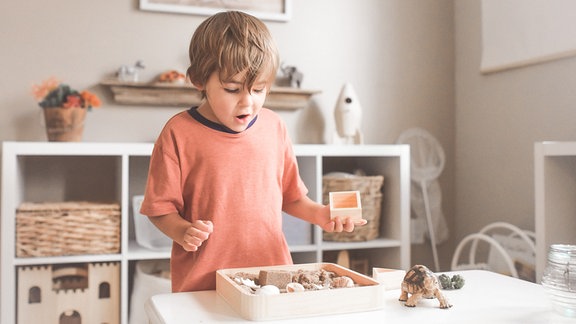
x=272 y=10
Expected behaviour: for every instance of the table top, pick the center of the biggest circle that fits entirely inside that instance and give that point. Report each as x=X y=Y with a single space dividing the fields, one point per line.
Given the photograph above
x=487 y=297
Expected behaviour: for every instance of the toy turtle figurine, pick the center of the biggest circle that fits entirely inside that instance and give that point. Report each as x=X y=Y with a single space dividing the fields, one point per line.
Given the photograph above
x=420 y=282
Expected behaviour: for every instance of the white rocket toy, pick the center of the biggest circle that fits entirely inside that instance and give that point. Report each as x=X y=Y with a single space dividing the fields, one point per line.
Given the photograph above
x=348 y=116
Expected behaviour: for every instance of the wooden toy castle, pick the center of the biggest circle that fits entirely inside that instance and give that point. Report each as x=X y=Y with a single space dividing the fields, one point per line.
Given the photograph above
x=78 y=293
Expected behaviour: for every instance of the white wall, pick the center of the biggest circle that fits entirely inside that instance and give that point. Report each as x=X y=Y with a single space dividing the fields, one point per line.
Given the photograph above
x=498 y=118
x=398 y=54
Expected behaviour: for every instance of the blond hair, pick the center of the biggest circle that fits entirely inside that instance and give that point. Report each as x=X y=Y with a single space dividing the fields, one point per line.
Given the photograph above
x=229 y=43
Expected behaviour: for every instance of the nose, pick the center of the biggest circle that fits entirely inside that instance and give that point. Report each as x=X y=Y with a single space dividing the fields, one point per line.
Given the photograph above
x=246 y=98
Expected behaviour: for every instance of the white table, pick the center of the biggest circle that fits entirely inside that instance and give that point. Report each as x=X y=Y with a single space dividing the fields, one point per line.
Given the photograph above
x=487 y=297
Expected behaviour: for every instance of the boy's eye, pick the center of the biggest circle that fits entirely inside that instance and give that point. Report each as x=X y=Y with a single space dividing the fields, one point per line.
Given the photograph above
x=236 y=90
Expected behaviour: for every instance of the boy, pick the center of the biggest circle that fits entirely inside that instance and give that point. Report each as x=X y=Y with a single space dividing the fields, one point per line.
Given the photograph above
x=221 y=173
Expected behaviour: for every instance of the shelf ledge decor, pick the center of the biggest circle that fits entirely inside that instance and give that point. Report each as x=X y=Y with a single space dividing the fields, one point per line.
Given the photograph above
x=185 y=94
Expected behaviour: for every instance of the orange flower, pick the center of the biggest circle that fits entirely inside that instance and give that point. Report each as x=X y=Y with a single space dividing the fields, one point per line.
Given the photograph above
x=43 y=89
x=52 y=93
x=90 y=99
x=72 y=101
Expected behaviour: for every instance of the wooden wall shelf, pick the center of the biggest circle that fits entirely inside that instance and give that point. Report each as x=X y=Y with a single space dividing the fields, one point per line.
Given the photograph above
x=173 y=94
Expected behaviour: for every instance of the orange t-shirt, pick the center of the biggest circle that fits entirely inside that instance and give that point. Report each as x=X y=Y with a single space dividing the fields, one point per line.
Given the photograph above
x=237 y=181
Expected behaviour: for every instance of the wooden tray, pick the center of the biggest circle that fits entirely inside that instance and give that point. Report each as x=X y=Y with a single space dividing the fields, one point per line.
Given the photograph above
x=368 y=296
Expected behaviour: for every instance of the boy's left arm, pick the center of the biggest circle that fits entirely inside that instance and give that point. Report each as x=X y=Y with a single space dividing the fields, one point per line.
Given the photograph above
x=315 y=213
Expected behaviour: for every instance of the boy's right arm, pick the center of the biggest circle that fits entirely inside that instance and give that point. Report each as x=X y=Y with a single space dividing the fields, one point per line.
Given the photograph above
x=189 y=235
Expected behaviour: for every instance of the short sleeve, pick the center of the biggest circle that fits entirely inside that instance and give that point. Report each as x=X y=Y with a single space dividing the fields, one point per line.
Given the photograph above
x=163 y=191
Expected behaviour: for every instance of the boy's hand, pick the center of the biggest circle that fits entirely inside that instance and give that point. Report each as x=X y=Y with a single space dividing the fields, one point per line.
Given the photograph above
x=196 y=234
x=337 y=224
x=343 y=225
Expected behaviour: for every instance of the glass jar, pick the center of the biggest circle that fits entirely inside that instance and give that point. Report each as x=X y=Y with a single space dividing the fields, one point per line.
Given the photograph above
x=559 y=278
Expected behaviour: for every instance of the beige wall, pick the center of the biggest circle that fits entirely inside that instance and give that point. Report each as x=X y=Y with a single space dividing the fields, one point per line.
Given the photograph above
x=398 y=54
x=498 y=118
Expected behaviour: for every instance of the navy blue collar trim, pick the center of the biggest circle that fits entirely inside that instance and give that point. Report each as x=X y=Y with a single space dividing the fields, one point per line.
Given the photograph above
x=206 y=122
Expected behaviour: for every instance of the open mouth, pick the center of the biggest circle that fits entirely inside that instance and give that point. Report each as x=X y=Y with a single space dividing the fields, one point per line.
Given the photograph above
x=242 y=117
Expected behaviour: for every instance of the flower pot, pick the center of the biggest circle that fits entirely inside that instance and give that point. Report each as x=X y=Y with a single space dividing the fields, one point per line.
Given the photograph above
x=64 y=124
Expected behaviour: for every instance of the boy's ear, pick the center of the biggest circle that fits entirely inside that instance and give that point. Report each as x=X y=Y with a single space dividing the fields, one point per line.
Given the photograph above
x=198 y=86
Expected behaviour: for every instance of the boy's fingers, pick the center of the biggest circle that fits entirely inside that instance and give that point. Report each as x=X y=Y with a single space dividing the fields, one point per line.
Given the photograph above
x=207 y=226
x=338 y=225
x=330 y=227
x=348 y=225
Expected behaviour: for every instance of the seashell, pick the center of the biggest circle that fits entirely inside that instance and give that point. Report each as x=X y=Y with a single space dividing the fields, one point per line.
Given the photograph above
x=267 y=290
x=248 y=283
x=294 y=287
x=342 y=282
x=247 y=289
x=319 y=287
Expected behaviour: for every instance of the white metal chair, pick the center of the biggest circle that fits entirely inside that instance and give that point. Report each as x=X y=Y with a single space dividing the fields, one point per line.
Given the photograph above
x=483 y=235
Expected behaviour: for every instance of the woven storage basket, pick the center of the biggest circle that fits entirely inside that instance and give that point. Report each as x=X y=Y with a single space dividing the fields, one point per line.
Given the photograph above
x=67 y=228
x=371 y=198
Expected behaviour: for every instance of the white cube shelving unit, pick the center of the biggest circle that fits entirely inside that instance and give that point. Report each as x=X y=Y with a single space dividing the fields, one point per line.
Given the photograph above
x=554 y=197
x=58 y=172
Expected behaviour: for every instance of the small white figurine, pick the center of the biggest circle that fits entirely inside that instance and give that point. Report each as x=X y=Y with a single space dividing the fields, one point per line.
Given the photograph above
x=130 y=73
x=348 y=116
x=291 y=77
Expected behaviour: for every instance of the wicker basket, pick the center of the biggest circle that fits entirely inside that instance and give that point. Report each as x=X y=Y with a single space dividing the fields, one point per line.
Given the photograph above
x=371 y=198
x=67 y=228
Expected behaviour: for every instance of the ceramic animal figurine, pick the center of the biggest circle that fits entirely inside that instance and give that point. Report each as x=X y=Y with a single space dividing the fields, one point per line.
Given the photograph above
x=130 y=73
x=292 y=76
x=420 y=282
